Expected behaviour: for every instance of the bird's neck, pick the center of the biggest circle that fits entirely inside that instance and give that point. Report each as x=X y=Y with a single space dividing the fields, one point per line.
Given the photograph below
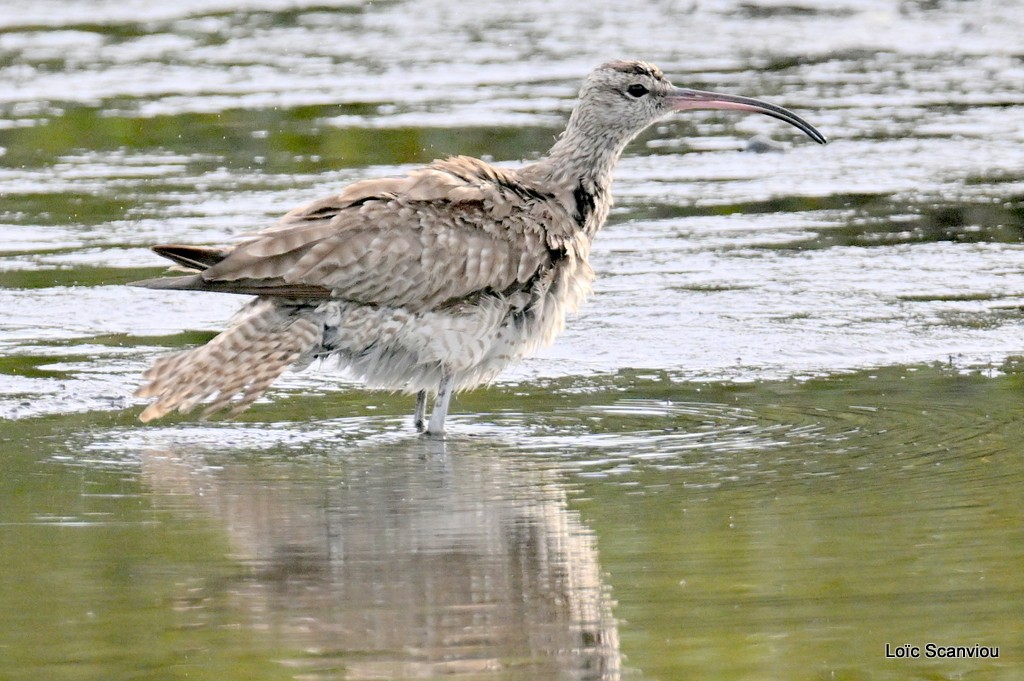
x=582 y=154
x=579 y=170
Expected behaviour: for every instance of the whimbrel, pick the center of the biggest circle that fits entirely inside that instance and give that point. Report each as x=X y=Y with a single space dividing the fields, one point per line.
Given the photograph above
x=430 y=282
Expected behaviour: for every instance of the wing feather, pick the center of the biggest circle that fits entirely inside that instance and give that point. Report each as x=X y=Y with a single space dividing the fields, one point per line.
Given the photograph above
x=440 y=233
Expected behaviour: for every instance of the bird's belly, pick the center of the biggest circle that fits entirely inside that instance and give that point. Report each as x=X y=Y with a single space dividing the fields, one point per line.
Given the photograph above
x=399 y=349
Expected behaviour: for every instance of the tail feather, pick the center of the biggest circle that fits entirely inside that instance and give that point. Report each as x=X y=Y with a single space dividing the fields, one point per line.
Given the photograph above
x=192 y=257
x=195 y=260
x=186 y=282
x=233 y=369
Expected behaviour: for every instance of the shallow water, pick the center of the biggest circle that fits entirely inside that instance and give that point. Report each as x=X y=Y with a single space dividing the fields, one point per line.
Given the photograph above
x=783 y=433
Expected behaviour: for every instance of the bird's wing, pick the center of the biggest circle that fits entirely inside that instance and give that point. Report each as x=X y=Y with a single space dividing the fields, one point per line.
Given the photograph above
x=452 y=229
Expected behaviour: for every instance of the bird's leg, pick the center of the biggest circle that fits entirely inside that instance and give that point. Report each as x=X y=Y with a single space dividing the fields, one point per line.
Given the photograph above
x=444 y=396
x=421 y=411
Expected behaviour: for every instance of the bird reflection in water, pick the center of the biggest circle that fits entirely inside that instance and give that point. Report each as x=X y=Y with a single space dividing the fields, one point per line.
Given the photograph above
x=404 y=564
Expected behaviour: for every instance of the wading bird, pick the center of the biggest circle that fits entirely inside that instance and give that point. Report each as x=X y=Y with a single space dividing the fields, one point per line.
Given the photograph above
x=430 y=282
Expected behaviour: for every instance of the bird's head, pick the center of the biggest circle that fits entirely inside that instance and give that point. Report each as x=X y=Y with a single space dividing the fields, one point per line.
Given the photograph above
x=628 y=96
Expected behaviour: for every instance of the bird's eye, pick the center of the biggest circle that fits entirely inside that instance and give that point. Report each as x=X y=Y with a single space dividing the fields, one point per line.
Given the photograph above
x=637 y=90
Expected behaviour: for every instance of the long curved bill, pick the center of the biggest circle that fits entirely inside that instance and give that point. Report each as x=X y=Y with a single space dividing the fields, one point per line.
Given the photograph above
x=683 y=99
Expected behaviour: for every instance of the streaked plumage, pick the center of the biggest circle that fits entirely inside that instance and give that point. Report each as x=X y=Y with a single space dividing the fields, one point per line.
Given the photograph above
x=429 y=282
